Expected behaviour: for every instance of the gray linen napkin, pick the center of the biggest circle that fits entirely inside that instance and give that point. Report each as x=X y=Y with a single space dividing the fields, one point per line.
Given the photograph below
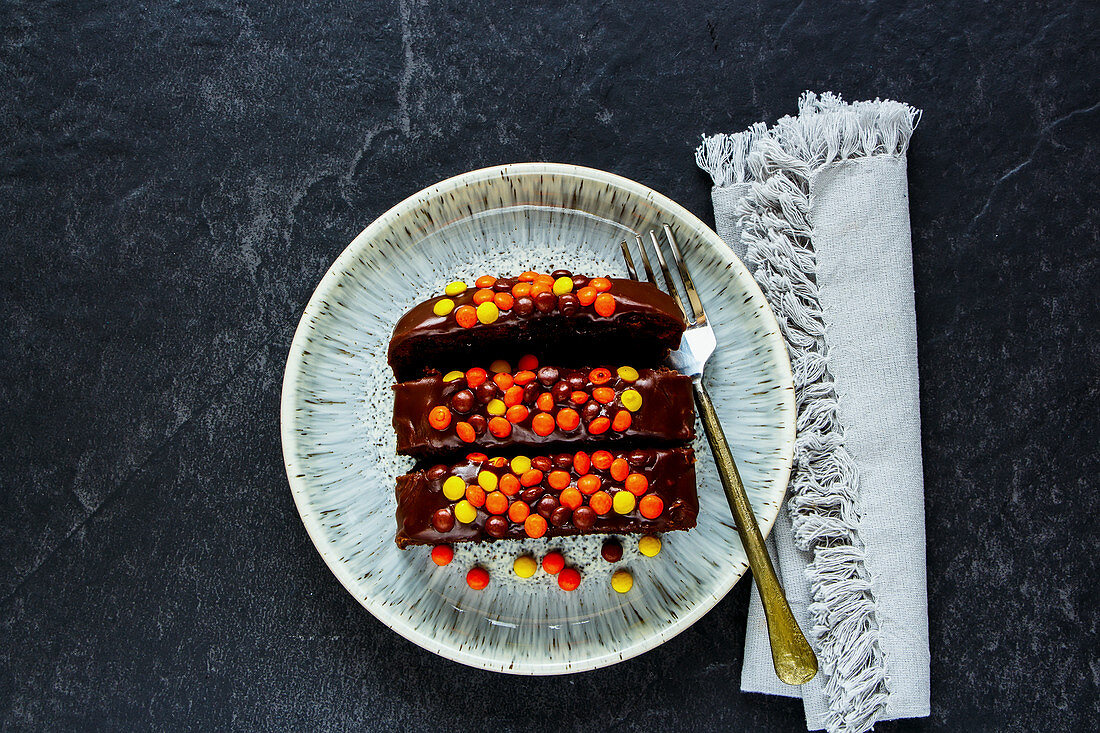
x=818 y=208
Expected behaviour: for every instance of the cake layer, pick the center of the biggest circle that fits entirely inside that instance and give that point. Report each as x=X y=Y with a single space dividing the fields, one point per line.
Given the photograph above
x=642 y=490
x=541 y=408
x=561 y=314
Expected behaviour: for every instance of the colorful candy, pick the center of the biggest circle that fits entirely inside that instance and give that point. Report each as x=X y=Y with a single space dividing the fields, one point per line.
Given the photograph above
x=620 y=469
x=649 y=546
x=599 y=426
x=509 y=485
x=535 y=526
x=452 y=376
x=466 y=316
x=475 y=495
x=623 y=502
x=520 y=465
x=465 y=512
x=612 y=551
x=603 y=395
x=443 y=306
x=563 y=285
x=627 y=374
x=622 y=421
x=543 y=424
x=651 y=506
x=476 y=377
x=442 y=554
x=588 y=484
x=601 y=502
x=455 y=288
x=525 y=566
x=604 y=304
x=454 y=488
x=496 y=503
x=500 y=427
x=518 y=511
x=482 y=296
x=488 y=312
x=622 y=581
x=600 y=375
x=558 y=479
x=487 y=480
x=439 y=418
x=496 y=407
x=485 y=281
x=636 y=484
x=571 y=498
x=569 y=579
x=466 y=432
x=553 y=562
x=631 y=399
x=568 y=419
x=477 y=578
x=601 y=284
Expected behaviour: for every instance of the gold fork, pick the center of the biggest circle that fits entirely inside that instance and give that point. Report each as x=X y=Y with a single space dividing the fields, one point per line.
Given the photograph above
x=794 y=661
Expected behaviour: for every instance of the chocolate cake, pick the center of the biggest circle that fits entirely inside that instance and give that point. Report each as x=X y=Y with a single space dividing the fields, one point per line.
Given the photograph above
x=563 y=316
x=542 y=408
x=480 y=498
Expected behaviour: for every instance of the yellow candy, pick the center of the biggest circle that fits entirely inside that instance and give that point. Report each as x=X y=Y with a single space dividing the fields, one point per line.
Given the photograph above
x=649 y=546
x=500 y=365
x=452 y=376
x=496 y=407
x=520 y=465
x=443 y=306
x=631 y=399
x=563 y=285
x=525 y=566
x=487 y=480
x=627 y=374
x=465 y=512
x=623 y=502
x=622 y=581
x=488 y=312
x=454 y=488
x=456 y=288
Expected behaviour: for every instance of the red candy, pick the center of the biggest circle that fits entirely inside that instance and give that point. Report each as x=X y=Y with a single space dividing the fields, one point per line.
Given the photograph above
x=651 y=506
x=524 y=377
x=568 y=419
x=569 y=579
x=516 y=413
x=605 y=304
x=439 y=418
x=503 y=380
x=581 y=463
x=442 y=554
x=599 y=426
x=466 y=316
x=476 y=377
x=620 y=469
x=499 y=427
x=476 y=457
x=466 y=432
x=477 y=578
x=603 y=395
x=601 y=459
x=622 y=421
x=553 y=563
x=578 y=397
x=528 y=362
x=543 y=424
x=599 y=375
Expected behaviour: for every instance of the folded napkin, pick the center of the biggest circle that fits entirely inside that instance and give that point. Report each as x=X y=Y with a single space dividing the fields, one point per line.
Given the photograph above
x=818 y=208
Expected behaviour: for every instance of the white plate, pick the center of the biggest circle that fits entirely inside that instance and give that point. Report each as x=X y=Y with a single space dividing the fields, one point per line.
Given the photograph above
x=338 y=442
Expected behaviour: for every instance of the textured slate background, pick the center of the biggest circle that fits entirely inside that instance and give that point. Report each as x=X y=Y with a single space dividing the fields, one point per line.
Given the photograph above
x=176 y=176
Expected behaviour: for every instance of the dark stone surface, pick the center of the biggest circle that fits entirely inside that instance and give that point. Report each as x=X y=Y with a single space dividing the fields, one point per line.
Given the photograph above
x=177 y=176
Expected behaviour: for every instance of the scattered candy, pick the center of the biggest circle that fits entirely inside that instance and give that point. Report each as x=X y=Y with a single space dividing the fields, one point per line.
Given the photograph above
x=623 y=502
x=621 y=422
x=602 y=460
x=631 y=399
x=523 y=378
x=588 y=484
x=443 y=306
x=569 y=579
x=649 y=546
x=496 y=407
x=499 y=427
x=558 y=479
x=439 y=418
x=571 y=498
x=651 y=506
x=605 y=304
x=581 y=462
x=636 y=484
x=455 y=288
x=509 y=485
x=563 y=285
x=587 y=296
x=627 y=374
x=499 y=366
x=599 y=375
x=620 y=469
x=443 y=520
x=485 y=281
x=466 y=432
x=553 y=562
x=487 y=480
x=477 y=578
x=525 y=566
x=452 y=376
x=599 y=426
x=496 y=503
x=530 y=477
x=622 y=581
x=476 y=377
x=528 y=362
x=612 y=551
x=568 y=419
x=520 y=465
x=504 y=301
x=482 y=296
x=534 y=526
x=442 y=554
x=466 y=316
x=475 y=495
x=465 y=512
x=488 y=312
x=454 y=488
x=518 y=511
x=600 y=502
x=603 y=395
x=543 y=424
x=601 y=284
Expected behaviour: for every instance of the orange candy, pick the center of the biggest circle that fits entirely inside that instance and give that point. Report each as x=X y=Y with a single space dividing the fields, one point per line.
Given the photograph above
x=558 y=479
x=477 y=578
x=568 y=419
x=544 y=279
x=636 y=484
x=509 y=485
x=599 y=426
x=504 y=301
x=476 y=377
x=620 y=469
x=516 y=413
x=601 y=459
x=543 y=424
x=534 y=526
x=545 y=402
x=599 y=375
x=603 y=395
x=526 y=277
x=571 y=498
x=622 y=421
x=439 y=418
x=498 y=462
x=528 y=362
x=601 y=284
x=578 y=397
x=466 y=316
x=524 y=377
x=538 y=288
x=600 y=502
x=521 y=290
x=651 y=506
x=569 y=579
x=553 y=562
x=476 y=457
x=531 y=477
x=442 y=554
x=503 y=380
x=588 y=483
x=587 y=296
x=482 y=296
x=475 y=495
x=496 y=503
x=513 y=395
x=465 y=432
x=499 y=427
x=485 y=281
x=519 y=511
x=605 y=304
x=581 y=462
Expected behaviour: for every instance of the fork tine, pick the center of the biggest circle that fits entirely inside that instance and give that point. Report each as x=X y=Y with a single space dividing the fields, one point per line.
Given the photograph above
x=693 y=294
x=629 y=260
x=669 y=282
x=645 y=260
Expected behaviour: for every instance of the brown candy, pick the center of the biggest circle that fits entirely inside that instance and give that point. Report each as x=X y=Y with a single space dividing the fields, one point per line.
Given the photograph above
x=478 y=423
x=531 y=494
x=443 y=520
x=639 y=457
x=486 y=391
x=547 y=506
x=560 y=516
x=560 y=392
x=579 y=281
x=524 y=306
x=530 y=393
x=436 y=472
x=612 y=551
x=496 y=526
x=561 y=273
x=545 y=302
x=463 y=401
x=563 y=460
x=542 y=463
x=577 y=381
x=590 y=411
x=548 y=375
x=503 y=285
x=568 y=304
x=584 y=517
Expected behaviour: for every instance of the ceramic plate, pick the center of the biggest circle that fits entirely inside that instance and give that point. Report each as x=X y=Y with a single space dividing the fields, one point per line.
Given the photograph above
x=338 y=443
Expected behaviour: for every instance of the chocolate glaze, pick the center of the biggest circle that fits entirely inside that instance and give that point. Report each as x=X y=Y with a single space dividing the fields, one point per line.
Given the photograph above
x=645 y=325
x=671 y=475
x=667 y=414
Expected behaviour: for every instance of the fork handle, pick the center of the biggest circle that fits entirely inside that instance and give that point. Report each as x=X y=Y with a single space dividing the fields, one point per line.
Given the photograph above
x=792 y=656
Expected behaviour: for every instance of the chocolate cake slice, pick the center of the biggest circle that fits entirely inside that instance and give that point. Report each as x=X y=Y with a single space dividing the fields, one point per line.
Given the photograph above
x=561 y=315
x=480 y=498
x=541 y=408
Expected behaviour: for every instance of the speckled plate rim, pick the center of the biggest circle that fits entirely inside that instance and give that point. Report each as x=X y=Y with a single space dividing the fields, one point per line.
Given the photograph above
x=292 y=376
